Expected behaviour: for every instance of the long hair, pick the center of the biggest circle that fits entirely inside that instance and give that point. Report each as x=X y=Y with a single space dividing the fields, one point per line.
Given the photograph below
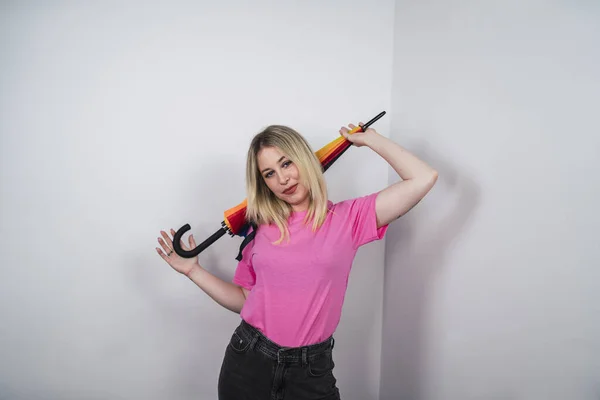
x=263 y=207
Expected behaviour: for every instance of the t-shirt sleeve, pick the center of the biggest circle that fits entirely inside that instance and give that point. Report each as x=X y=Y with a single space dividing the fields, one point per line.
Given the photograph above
x=362 y=220
x=244 y=274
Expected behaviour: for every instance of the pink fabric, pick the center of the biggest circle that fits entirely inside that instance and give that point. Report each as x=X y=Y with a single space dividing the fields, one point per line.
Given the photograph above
x=297 y=289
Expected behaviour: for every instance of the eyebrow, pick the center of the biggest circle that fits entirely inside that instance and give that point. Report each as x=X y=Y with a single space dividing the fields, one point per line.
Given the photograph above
x=278 y=161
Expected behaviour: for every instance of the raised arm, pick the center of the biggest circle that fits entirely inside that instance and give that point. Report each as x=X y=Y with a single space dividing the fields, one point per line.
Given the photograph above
x=417 y=177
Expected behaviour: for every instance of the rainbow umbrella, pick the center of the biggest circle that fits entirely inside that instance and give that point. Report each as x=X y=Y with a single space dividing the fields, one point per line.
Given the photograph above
x=234 y=221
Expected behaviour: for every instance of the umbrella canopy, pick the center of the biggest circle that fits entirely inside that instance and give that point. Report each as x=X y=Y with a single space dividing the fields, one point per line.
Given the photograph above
x=235 y=222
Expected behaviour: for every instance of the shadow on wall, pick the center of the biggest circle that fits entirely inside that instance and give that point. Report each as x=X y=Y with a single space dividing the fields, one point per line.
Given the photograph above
x=414 y=254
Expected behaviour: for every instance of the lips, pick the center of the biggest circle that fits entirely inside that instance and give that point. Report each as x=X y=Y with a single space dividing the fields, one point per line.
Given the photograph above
x=291 y=189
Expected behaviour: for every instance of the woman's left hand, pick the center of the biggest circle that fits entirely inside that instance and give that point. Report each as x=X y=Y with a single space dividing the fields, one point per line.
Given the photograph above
x=359 y=138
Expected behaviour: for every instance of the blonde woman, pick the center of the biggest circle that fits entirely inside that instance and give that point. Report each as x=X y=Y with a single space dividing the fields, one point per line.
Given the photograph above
x=290 y=283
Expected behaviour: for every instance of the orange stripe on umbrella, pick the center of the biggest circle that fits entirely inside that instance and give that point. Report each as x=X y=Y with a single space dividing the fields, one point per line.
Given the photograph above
x=234 y=221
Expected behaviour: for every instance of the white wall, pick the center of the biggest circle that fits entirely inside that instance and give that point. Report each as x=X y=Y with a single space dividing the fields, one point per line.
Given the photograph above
x=492 y=282
x=117 y=122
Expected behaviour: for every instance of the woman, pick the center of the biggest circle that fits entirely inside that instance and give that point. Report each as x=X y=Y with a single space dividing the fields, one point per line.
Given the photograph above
x=290 y=283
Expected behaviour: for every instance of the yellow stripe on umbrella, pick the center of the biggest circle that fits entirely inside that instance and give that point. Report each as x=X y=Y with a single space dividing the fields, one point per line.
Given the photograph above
x=234 y=221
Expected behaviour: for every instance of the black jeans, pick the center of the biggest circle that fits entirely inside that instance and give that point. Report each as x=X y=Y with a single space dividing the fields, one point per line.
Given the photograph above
x=255 y=368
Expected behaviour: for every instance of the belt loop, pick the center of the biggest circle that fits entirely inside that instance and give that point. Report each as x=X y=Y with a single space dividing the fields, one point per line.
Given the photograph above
x=254 y=340
x=304 y=358
x=332 y=342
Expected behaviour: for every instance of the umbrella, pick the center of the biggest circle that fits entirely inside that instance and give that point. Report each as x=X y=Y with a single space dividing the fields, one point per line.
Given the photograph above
x=234 y=221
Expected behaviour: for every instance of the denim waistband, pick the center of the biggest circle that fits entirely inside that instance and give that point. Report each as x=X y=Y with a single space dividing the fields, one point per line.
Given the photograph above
x=281 y=353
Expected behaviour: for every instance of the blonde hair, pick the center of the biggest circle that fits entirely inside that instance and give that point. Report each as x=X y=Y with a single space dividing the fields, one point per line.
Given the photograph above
x=263 y=207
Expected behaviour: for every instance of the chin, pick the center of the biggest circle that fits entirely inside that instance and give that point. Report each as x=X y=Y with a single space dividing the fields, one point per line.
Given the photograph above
x=299 y=196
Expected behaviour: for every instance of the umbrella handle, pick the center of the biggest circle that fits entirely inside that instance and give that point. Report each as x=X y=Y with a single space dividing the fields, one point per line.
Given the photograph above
x=225 y=229
x=194 y=252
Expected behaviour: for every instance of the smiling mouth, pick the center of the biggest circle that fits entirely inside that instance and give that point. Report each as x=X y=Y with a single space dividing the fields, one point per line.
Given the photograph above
x=291 y=190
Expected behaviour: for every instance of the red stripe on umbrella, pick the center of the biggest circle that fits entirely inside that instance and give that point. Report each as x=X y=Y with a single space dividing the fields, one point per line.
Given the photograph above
x=234 y=221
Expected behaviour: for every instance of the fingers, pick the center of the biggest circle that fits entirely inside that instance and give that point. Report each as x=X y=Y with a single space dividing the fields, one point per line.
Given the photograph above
x=345 y=132
x=167 y=249
x=163 y=255
x=166 y=243
x=167 y=238
x=352 y=127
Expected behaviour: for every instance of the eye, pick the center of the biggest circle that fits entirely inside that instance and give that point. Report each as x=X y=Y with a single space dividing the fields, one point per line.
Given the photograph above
x=285 y=164
x=268 y=174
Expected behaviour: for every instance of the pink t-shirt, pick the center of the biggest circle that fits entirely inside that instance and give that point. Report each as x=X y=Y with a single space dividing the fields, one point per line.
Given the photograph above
x=297 y=289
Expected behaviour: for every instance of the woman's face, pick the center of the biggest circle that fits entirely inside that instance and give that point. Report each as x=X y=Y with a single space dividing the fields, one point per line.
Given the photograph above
x=283 y=178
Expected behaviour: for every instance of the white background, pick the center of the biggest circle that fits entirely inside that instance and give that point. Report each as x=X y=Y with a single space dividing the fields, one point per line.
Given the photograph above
x=119 y=121
x=492 y=282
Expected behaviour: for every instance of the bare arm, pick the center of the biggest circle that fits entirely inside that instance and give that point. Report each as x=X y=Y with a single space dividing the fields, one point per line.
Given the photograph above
x=417 y=177
x=228 y=295
x=417 y=180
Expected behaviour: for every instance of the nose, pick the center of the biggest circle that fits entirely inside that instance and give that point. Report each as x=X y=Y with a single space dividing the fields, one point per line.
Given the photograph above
x=283 y=179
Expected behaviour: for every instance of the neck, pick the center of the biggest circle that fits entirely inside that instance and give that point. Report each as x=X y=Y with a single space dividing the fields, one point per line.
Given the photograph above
x=301 y=207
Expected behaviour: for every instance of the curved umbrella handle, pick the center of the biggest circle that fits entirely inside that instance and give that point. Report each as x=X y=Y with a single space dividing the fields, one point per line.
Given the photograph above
x=327 y=156
x=194 y=252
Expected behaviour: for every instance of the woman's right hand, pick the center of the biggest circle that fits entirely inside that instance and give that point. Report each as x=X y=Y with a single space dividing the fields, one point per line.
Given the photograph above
x=178 y=263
